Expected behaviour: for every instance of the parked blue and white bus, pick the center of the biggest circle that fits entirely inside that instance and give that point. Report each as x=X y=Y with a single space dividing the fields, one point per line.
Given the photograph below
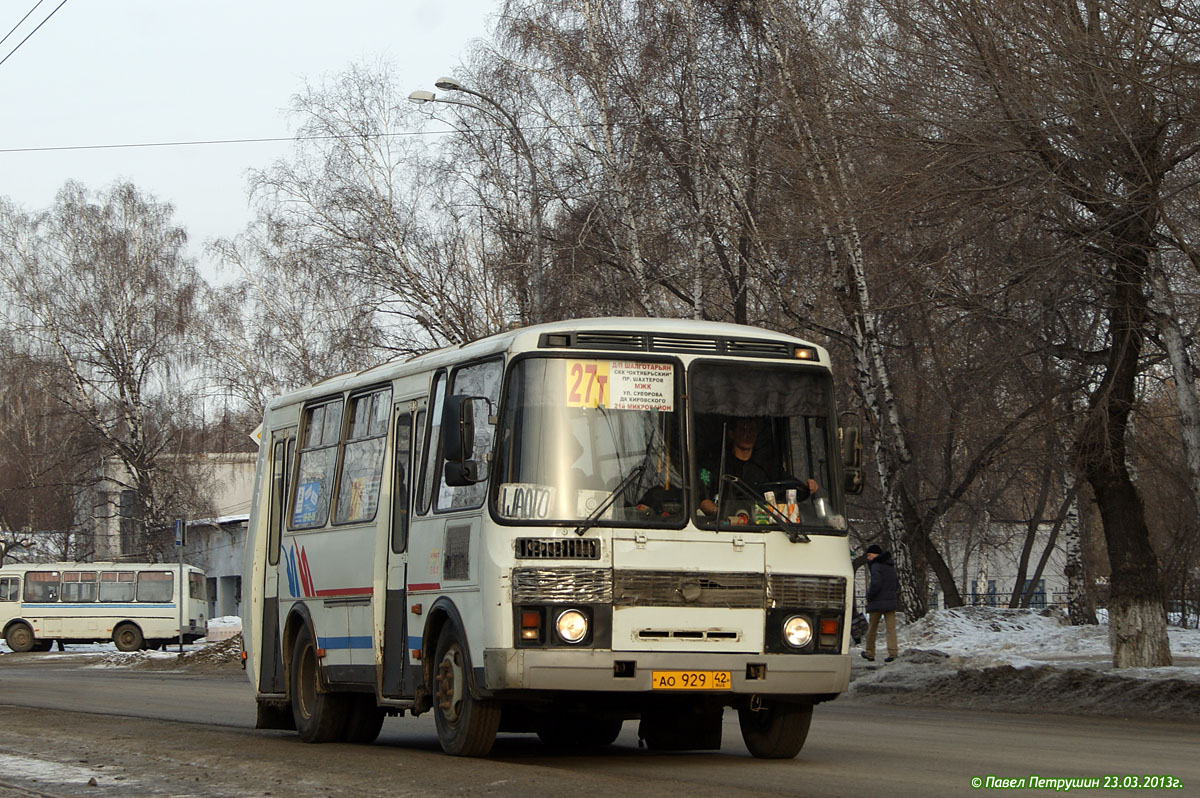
x=513 y=534
x=135 y=605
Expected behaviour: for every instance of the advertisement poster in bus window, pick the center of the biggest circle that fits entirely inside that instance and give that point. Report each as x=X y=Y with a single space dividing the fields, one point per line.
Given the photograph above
x=308 y=495
x=621 y=385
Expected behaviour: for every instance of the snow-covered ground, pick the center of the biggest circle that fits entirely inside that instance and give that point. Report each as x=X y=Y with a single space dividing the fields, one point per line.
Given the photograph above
x=981 y=637
x=1026 y=660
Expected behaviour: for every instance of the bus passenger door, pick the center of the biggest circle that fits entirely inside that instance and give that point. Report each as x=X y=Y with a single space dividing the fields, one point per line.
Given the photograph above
x=395 y=643
x=283 y=449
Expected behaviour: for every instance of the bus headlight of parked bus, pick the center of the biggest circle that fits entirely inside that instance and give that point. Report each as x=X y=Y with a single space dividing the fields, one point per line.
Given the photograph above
x=572 y=626
x=797 y=631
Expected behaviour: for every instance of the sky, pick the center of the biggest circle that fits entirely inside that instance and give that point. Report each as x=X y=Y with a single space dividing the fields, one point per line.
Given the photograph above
x=118 y=72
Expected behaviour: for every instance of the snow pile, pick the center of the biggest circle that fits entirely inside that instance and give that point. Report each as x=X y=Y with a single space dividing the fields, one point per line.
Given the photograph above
x=1022 y=660
x=224 y=628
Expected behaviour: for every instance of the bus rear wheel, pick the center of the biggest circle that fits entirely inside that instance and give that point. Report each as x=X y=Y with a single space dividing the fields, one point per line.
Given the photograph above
x=320 y=715
x=19 y=637
x=777 y=731
x=466 y=726
x=128 y=637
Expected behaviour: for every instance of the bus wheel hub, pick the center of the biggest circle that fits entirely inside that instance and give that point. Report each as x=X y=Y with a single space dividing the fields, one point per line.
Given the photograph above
x=449 y=686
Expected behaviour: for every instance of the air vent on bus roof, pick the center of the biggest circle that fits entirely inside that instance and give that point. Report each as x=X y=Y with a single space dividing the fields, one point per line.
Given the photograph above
x=758 y=347
x=610 y=340
x=671 y=343
x=618 y=341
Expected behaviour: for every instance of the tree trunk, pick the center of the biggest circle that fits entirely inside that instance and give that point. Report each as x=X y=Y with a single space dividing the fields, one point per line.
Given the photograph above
x=1137 y=622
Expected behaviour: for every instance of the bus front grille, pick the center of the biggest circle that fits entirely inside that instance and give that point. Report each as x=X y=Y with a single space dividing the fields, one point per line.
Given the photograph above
x=554 y=585
x=688 y=589
x=815 y=592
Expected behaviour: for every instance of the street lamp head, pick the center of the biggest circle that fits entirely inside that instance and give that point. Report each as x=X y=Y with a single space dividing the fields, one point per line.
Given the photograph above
x=422 y=96
x=448 y=84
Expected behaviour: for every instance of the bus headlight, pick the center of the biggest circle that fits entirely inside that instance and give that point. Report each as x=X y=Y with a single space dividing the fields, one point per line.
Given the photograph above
x=572 y=626
x=797 y=631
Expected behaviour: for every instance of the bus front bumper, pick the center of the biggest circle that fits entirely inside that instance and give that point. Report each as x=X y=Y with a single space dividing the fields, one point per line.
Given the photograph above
x=633 y=671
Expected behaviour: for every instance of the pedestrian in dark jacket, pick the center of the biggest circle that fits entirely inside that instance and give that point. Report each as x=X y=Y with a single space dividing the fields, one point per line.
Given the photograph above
x=881 y=601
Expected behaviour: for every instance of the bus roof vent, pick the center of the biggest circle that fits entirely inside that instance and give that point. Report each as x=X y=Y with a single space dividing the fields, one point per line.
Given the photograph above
x=558 y=548
x=759 y=347
x=680 y=343
x=610 y=340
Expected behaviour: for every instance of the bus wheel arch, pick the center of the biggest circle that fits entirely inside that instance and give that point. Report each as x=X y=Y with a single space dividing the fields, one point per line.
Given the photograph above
x=127 y=636
x=19 y=636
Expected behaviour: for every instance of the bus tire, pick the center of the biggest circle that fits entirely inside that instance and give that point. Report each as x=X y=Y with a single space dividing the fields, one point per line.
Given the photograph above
x=365 y=719
x=320 y=715
x=19 y=637
x=466 y=726
x=128 y=637
x=777 y=731
x=573 y=732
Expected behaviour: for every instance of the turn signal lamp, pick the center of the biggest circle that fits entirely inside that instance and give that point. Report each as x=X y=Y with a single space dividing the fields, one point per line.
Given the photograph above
x=805 y=353
x=531 y=625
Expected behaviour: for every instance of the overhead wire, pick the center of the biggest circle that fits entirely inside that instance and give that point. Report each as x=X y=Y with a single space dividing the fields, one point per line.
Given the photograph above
x=22 y=21
x=35 y=30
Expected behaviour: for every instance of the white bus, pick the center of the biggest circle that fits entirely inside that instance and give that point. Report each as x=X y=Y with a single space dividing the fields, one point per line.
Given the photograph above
x=135 y=605
x=511 y=533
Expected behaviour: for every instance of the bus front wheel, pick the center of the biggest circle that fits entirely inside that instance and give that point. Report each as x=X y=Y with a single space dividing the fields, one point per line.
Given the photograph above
x=777 y=731
x=466 y=726
x=19 y=637
x=320 y=715
x=128 y=637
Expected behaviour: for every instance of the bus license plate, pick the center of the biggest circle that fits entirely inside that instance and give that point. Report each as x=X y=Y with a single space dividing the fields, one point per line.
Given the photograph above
x=690 y=680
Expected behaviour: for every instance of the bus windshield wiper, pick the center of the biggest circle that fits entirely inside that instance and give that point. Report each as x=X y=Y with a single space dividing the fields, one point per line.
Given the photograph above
x=594 y=515
x=792 y=530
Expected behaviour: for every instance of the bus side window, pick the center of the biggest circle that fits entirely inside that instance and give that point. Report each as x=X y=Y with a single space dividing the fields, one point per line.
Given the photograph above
x=362 y=457
x=155 y=586
x=281 y=468
x=10 y=588
x=429 y=470
x=41 y=586
x=318 y=456
x=116 y=586
x=478 y=379
x=400 y=485
x=79 y=586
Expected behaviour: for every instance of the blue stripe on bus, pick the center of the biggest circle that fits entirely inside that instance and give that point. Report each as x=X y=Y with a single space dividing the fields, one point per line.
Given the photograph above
x=356 y=641
x=86 y=605
x=414 y=643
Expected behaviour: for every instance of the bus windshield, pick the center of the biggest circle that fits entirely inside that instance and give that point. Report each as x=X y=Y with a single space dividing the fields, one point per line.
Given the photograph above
x=762 y=433
x=591 y=439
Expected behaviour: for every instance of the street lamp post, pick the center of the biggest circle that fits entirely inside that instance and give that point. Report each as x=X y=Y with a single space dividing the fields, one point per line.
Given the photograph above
x=449 y=84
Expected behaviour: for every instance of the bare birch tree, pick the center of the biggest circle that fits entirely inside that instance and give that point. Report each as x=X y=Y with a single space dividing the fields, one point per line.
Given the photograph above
x=99 y=286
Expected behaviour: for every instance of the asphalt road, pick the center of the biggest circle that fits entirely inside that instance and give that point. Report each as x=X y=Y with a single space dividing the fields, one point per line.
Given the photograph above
x=197 y=739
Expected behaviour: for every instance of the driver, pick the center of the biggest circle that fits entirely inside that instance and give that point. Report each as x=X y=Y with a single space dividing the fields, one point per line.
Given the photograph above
x=741 y=434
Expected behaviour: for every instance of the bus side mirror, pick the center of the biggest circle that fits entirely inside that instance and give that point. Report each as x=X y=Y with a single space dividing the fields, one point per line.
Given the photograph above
x=458 y=441
x=851 y=439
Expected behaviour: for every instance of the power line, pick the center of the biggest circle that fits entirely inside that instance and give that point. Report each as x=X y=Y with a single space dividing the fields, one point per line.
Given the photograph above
x=22 y=22
x=35 y=30
x=206 y=142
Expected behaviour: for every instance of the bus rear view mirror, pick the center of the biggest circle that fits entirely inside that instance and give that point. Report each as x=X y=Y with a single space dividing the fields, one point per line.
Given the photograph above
x=851 y=440
x=458 y=428
x=458 y=435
